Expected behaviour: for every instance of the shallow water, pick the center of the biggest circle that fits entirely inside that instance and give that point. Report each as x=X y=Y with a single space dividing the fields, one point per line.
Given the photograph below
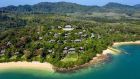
x=123 y=66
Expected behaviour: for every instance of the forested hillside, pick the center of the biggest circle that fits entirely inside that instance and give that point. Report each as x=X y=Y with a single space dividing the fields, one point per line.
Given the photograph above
x=65 y=7
x=64 y=34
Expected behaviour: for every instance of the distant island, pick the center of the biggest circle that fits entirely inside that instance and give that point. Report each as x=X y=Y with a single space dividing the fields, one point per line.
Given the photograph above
x=64 y=38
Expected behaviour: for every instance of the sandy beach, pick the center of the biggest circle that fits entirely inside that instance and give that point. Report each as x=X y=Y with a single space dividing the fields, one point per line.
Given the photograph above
x=27 y=65
x=47 y=66
x=125 y=43
x=113 y=51
x=110 y=50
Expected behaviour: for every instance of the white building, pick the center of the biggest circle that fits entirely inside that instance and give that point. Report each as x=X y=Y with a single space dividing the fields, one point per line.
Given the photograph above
x=59 y=27
x=2 y=51
x=52 y=41
x=77 y=40
x=68 y=28
x=40 y=38
x=92 y=35
x=9 y=43
x=71 y=50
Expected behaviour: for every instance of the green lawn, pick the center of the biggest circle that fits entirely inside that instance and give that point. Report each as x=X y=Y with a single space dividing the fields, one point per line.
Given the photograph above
x=70 y=57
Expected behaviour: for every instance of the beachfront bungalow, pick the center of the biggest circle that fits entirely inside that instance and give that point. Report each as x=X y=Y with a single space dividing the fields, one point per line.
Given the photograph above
x=99 y=37
x=66 y=35
x=65 y=50
x=71 y=50
x=50 y=51
x=59 y=27
x=81 y=49
x=2 y=51
x=68 y=28
x=84 y=35
x=40 y=38
x=51 y=41
x=77 y=40
x=9 y=43
x=92 y=35
x=56 y=35
x=80 y=33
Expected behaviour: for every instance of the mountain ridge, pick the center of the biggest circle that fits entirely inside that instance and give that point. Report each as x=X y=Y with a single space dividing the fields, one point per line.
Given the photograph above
x=67 y=7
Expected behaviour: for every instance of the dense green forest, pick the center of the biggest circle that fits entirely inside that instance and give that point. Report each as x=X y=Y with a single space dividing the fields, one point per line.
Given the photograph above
x=40 y=36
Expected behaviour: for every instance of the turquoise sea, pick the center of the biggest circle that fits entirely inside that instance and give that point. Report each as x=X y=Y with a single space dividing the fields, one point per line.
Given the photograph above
x=123 y=66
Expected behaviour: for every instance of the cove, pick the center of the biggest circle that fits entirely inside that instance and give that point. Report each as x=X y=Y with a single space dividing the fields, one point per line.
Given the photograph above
x=123 y=66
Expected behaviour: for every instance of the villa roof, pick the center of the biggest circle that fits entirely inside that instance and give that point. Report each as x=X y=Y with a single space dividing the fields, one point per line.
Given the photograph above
x=68 y=26
x=92 y=35
x=80 y=32
x=40 y=38
x=65 y=51
x=59 y=27
x=9 y=43
x=78 y=40
x=52 y=41
x=50 y=50
x=2 y=51
x=72 y=49
x=65 y=48
x=81 y=48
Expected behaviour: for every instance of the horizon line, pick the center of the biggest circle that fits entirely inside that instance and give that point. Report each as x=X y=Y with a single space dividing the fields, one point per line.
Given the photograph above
x=68 y=2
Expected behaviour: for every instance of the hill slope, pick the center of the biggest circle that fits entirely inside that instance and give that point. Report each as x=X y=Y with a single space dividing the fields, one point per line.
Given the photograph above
x=65 y=7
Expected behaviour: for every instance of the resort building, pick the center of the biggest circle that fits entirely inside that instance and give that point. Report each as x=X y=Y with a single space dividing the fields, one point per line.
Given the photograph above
x=71 y=50
x=56 y=35
x=59 y=27
x=65 y=50
x=66 y=35
x=84 y=36
x=51 y=41
x=40 y=38
x=80 y=33
x=99 y=37
x=81 y=49
x=92 y=35
x=9 y=43
x=50 y=51
x=77 y=40
x=68 y=28
x=2 y=51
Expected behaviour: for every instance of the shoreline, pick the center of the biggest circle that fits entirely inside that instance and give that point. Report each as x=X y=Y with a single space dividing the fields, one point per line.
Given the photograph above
x=105 y=56
x=27 y=65
x=116 y=44
x=99 y=58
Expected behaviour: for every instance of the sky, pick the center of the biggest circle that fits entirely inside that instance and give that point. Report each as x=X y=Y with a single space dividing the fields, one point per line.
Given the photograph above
x=4 y=3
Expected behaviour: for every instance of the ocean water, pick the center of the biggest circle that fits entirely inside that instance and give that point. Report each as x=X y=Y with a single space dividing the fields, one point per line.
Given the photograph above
x=123 y=66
